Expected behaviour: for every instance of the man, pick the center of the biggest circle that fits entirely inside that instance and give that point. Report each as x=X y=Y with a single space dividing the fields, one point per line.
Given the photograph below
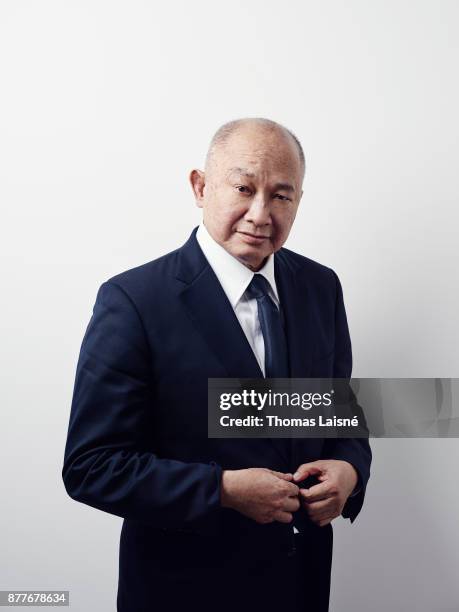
x=210 y=523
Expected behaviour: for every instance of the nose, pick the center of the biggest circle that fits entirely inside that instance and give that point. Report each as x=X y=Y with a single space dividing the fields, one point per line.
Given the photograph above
x=259 y=212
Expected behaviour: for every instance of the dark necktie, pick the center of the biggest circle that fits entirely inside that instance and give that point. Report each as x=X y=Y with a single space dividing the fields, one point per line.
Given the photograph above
x=276 y=357
x=276 y=353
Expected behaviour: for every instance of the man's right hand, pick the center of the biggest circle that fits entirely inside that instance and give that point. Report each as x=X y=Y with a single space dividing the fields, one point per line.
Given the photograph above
x=261 y=494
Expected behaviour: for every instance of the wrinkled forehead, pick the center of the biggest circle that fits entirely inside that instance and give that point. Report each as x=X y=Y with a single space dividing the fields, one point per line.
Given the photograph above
x=286 y=181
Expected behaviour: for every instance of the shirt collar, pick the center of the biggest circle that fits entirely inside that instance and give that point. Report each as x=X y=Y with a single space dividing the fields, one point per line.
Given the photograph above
x=233 y=275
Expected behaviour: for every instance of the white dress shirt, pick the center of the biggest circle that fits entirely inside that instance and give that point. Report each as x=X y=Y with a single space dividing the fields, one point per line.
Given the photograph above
x=235 y=277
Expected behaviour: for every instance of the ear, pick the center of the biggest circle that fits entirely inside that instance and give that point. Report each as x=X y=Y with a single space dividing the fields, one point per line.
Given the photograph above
x=198 y=182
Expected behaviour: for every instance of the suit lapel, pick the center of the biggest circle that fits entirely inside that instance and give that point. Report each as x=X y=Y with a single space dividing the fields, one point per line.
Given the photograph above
x=294 y=300
x=295 y=307
x=210 y=310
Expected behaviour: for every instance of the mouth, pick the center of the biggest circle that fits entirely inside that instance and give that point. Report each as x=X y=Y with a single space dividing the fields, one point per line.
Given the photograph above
x=253 y=238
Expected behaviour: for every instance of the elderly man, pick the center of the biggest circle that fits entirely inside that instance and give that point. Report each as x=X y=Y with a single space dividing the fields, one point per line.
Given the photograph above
x=210 y=523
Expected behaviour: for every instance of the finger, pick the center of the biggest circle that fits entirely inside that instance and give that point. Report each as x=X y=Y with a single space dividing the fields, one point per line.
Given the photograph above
x=326 y=505
x=318 y=519
x=282 y=475
x=305 y=470
x=323 y=520
x=290 y=489
x=317 y=492
x=322 y=514
x=291 y=504
x=282 y=516
x=310 y=501
x=327 y=508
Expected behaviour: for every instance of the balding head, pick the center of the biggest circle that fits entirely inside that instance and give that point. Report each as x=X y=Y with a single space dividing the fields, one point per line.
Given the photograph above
x=251 y=188
x=223 y=135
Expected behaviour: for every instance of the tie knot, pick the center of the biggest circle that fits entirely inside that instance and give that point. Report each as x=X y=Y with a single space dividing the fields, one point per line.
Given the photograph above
x=258 y=287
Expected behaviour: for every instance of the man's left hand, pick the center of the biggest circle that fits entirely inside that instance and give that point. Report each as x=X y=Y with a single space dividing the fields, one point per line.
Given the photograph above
x=325 y=501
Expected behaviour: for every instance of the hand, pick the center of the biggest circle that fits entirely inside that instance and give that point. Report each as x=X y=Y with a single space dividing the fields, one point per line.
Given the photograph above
x=325 y=501
x=261 y=494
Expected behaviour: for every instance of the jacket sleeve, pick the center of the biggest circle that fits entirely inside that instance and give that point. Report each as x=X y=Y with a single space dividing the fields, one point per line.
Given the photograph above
x=108 y=462
x=354 y=450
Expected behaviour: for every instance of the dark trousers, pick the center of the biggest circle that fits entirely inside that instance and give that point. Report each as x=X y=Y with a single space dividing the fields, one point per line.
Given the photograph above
x=299 y=581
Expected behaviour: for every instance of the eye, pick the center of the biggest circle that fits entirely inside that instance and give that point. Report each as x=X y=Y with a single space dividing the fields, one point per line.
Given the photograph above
x=243 y=189
x=282 y=197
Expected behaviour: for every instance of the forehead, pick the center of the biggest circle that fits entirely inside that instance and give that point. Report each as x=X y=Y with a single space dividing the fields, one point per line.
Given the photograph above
x=256 y=152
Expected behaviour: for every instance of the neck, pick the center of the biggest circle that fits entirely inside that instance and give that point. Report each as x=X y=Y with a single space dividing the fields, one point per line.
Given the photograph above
x=253 y=267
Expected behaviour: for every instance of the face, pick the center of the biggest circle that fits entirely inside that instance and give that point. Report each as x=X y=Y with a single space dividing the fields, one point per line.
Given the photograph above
x=250 y=193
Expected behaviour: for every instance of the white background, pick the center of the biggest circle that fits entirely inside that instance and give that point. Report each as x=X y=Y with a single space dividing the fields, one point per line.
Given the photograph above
x=104 y=109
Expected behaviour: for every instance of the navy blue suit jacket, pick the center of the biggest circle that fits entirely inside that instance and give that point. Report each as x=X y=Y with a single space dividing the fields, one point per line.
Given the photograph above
x=137 y=444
